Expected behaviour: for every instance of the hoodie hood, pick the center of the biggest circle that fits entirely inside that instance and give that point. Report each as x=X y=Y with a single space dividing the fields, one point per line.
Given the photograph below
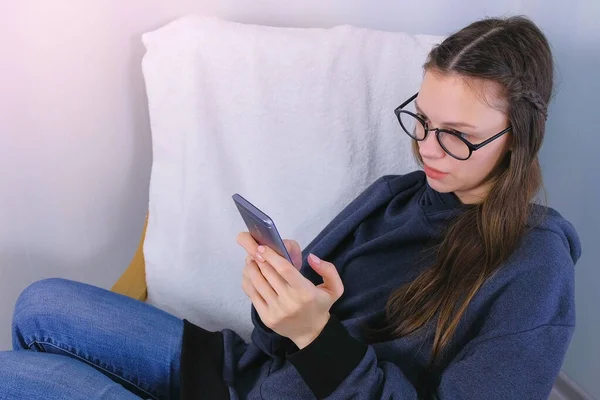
x=549 y=219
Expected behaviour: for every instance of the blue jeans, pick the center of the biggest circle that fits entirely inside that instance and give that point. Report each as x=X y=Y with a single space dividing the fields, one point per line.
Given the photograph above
x=76 y=341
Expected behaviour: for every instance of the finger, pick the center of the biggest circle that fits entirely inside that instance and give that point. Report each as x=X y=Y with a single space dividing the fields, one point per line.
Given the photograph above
x=278 y=284
x=251 y=291
x=246 y=240
x=331 y=277
x=257 y=300
x=259 y=282
x=295 y=252
x=283 y=267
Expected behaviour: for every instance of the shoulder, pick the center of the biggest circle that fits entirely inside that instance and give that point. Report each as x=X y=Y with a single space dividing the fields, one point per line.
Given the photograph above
x=535 y=286
x=400 y=183
x=392 y=184
x=549 y=229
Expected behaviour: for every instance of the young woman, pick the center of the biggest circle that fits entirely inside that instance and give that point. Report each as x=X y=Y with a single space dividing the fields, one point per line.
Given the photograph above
x=449 y=283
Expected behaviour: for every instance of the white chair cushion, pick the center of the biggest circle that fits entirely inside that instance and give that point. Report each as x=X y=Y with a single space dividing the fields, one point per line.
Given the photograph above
x=298 y=121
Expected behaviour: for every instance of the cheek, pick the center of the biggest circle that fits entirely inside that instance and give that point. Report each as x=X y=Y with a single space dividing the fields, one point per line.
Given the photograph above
x=474 y=170
x=492 y=153
x=481 y=163
x=466 y=173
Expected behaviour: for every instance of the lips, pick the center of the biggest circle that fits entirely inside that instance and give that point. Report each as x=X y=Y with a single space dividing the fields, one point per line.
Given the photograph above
x=434 y=173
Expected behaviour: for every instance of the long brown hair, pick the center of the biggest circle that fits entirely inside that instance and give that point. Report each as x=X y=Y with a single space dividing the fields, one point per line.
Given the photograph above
x=513 y=53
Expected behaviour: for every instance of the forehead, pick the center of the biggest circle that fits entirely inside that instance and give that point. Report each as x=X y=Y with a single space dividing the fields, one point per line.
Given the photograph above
x=453 y=98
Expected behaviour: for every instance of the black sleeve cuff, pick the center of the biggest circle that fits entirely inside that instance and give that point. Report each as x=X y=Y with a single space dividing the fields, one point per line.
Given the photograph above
x=201 y=366
x=329 y=359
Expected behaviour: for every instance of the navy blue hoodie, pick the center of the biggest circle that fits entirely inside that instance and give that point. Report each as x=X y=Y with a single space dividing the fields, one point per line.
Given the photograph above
x=510 y=343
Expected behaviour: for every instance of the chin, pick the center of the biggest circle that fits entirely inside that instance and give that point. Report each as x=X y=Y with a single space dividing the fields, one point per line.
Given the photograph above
x=440 y=186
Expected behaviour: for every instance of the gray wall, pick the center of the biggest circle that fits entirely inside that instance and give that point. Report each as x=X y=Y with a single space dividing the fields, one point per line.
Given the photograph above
x=571 y=164
x=75 y=143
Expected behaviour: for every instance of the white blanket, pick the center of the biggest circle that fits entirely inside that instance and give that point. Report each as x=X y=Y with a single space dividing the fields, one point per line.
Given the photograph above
x=298 y=121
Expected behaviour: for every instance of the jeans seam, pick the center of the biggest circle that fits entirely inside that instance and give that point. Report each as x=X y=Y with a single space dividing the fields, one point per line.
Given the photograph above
x=94 y=365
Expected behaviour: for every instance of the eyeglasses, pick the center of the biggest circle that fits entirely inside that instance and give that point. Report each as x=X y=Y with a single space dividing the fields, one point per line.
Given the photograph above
x=453 y=142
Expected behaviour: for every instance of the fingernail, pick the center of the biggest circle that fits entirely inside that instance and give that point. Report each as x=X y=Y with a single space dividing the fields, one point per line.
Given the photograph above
x=315 y=259
x=259 y=257
x=261 y=248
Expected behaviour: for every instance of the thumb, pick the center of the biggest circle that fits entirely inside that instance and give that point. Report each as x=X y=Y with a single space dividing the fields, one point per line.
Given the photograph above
x=331 y=278
x=295 y=252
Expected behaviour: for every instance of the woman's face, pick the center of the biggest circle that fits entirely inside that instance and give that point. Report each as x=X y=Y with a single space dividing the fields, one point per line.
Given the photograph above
x=446 y=101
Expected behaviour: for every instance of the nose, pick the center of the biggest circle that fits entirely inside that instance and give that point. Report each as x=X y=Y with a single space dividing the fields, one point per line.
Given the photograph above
x=430 y=147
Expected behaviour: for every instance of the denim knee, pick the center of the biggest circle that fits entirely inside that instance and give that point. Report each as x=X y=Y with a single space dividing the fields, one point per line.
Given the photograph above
x=39 y=299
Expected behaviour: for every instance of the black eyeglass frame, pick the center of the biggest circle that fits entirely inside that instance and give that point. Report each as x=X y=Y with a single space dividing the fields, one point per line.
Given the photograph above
x=472 y=147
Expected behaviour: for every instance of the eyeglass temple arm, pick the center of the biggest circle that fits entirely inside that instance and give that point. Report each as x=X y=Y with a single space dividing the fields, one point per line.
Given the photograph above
x=496 y=136
x=407 y=101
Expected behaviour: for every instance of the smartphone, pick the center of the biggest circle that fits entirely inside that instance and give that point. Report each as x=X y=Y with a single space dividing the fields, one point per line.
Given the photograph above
x=261 y=227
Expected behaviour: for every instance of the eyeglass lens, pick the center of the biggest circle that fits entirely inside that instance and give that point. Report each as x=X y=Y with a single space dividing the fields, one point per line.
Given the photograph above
x=450 y=143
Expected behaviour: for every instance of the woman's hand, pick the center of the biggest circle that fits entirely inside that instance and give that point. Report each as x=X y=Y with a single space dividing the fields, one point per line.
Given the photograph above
x=247 y=241
x=286 y=301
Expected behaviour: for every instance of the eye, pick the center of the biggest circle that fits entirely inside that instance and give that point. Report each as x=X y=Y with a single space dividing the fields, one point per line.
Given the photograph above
x=424 y=119
x=463 y=135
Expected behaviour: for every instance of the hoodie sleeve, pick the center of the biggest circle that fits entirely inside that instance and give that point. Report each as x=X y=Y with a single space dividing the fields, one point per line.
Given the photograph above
x=519 y=365
x=522 y=321
x=527 y=318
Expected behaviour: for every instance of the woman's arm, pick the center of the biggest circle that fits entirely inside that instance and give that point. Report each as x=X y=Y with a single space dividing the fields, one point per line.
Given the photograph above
x=526 y=320
x=519 y=365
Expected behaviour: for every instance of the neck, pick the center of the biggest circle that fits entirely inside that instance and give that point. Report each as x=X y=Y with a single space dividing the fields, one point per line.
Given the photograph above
x=476 y=195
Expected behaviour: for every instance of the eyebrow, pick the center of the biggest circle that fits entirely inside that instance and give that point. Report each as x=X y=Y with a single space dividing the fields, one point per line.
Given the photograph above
x=454 y=124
